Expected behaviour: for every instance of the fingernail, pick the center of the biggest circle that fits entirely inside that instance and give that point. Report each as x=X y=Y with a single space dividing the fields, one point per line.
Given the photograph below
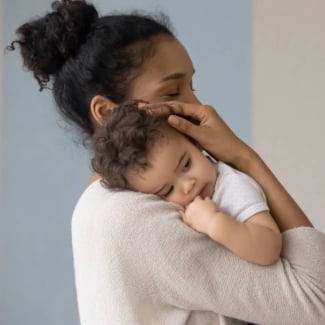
x=173 y=120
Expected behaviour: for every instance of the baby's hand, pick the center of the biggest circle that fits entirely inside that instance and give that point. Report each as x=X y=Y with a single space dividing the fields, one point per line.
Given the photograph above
x=199 y=214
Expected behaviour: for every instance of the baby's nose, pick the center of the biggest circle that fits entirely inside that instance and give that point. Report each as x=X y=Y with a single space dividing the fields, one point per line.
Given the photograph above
x=188 y=185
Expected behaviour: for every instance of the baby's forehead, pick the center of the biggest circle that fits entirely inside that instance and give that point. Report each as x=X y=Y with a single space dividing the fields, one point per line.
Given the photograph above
x=170 y=134
x=167 y=137
x=168 y=149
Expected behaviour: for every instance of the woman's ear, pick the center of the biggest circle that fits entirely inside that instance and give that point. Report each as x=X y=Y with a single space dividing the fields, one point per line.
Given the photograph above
x=100 y=107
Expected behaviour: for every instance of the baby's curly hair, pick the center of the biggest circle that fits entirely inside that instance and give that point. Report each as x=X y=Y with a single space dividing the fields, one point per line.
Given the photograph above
x=124 y=143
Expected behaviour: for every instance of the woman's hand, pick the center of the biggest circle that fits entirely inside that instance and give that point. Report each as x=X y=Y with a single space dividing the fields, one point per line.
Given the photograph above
x=209 y=130
x=213 y=134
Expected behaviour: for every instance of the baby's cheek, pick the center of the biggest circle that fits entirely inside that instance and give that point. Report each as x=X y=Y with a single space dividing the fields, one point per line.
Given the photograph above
x=174 y=199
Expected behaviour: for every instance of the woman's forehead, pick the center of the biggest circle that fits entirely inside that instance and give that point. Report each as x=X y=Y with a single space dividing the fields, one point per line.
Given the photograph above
x=169 y=59
x=169 y=62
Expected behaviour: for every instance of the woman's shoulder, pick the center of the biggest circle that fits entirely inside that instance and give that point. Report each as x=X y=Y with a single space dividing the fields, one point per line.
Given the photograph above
x=99 y=207
x=92 y=198
x=96 y=197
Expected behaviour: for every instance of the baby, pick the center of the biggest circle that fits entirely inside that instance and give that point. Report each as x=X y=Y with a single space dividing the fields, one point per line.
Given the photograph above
x=139 y=151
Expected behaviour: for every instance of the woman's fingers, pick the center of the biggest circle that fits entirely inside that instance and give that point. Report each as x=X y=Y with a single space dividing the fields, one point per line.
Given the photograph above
x=196 y=112
x=183 y=125
x=203 y=124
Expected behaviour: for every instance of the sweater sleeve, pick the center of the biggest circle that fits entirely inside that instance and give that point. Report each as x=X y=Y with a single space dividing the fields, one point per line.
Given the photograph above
x=142 y=240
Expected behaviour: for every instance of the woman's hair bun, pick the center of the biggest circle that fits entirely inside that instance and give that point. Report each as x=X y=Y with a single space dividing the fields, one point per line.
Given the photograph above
x=47 y=42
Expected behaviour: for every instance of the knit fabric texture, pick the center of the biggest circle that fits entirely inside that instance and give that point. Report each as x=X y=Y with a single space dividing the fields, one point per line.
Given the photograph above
x=137 y=263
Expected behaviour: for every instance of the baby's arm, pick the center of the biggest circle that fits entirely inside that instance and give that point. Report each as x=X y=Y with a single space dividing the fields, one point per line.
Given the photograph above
x=258 y=240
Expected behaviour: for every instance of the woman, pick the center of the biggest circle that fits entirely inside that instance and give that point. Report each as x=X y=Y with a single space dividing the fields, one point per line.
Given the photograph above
x=135 y=261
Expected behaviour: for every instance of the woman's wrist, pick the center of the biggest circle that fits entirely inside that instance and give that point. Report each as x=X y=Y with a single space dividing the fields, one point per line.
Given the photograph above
x=242 y=157
x=283 y=208
x=247 y=160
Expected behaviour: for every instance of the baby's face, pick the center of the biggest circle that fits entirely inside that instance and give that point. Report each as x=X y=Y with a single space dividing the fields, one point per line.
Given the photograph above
x=179 y=171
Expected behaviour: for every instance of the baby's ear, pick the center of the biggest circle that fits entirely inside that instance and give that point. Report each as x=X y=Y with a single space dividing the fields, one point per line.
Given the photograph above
x=100 y=108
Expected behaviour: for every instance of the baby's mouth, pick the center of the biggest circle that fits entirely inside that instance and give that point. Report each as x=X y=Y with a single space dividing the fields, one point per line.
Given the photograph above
x=204 y=192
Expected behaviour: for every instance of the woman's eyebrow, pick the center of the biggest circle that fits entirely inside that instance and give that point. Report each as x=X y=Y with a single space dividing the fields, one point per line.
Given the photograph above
x=174 y=76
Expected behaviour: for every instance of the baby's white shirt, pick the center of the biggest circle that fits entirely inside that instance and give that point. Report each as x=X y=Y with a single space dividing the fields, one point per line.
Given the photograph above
x=237 y=194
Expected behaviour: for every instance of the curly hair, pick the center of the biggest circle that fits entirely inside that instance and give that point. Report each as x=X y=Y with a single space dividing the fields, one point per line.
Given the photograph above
x=84 y=55
x=124 y=143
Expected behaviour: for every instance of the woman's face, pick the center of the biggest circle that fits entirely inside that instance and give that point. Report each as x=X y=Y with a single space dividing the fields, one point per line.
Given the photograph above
x=166 y=75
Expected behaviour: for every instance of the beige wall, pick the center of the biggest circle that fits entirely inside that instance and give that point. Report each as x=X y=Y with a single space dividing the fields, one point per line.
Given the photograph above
x=289 y=97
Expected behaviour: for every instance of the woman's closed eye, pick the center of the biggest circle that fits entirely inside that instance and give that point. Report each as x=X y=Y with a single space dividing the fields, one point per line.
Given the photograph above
x=173 y=94
x=177 y=92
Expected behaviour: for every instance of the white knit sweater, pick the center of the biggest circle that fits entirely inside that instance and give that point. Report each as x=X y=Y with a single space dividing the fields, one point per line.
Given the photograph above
x=137 y=263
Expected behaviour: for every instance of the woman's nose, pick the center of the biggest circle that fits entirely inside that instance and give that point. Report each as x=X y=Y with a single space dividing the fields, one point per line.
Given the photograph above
x=194 y=99
x=191 y=98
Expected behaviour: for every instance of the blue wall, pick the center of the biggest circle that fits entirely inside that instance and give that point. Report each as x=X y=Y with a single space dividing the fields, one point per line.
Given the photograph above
x=44 y=170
